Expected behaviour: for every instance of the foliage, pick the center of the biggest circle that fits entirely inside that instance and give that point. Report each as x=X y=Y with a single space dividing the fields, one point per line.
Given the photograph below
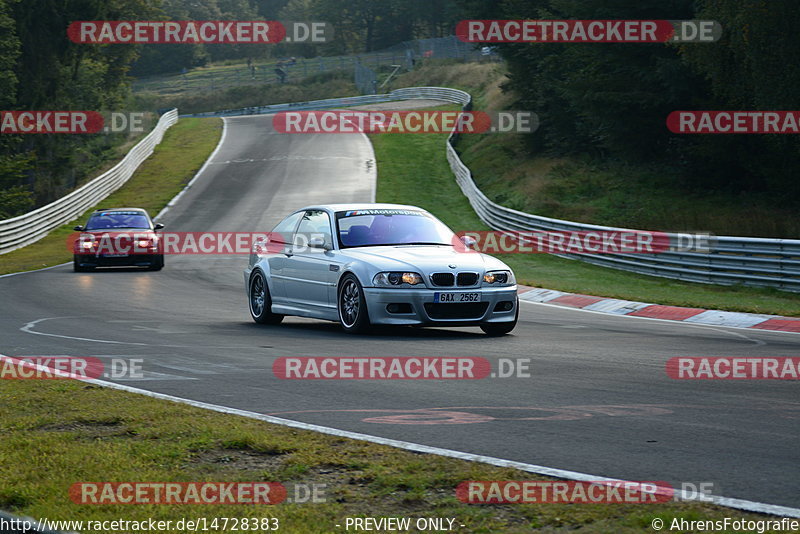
x=610 y=101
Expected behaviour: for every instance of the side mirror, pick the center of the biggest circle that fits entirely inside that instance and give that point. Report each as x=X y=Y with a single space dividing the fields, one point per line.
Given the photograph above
x=469 y=241
x=78 y=228
x=317 y=242
x=158 y=226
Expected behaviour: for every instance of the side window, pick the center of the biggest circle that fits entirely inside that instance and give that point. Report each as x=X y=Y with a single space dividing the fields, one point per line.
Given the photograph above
x=315 y=223
x=283 y=232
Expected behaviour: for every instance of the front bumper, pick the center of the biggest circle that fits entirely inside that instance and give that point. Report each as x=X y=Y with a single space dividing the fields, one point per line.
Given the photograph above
x=131 y=260
x=416 y=307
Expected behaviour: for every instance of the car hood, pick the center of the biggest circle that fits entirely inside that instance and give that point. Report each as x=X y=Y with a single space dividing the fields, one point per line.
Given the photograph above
x=122 y=232
x=425 y=258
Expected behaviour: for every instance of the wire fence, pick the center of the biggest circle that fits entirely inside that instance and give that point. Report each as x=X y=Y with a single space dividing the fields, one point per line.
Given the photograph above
x=366 y=80
x=292 y=70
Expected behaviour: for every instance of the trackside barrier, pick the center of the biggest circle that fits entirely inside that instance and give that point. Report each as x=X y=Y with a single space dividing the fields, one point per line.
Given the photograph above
x=733 y=260
x=761 y=262
x=30 y=227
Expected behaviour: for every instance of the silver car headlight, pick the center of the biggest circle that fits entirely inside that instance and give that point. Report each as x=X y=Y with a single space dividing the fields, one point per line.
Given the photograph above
x=396 y=279
x=499 y=278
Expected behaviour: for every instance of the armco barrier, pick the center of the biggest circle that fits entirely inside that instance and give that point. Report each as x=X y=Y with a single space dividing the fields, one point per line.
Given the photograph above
x=733 y=260
x=34 y=225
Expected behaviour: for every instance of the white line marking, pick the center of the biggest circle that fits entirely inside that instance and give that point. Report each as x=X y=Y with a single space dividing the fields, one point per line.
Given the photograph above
x=406 y=445
x=35 y=270
x=172 y=202
x=152 y=376
x=286 y=158
x=28 y=329
x=739 y=504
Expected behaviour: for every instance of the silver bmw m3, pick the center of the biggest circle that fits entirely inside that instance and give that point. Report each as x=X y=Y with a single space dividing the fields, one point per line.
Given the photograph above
x=377 y=264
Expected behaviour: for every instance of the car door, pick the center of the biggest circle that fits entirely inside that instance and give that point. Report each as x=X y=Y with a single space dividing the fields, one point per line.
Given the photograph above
x=309 y=272
x=280 y=250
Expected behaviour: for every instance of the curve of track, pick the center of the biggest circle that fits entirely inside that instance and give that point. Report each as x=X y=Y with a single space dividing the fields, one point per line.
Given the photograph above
x=598 y=400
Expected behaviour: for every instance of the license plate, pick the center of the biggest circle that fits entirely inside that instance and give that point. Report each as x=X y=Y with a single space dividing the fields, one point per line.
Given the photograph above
x=456 y=297
x=114 y=255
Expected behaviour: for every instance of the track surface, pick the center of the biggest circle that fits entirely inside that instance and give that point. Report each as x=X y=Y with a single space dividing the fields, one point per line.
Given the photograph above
x=598 y=400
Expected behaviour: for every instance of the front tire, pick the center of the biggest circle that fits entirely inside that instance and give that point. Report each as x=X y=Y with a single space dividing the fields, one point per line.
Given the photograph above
x=501 y=329
x=352 y=306
x=260 y=303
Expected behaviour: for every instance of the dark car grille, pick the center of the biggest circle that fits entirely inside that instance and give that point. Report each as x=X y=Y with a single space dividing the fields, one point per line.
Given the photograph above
x=467 y=279
x=467 y=310
x=450 y=279
x=443 y=279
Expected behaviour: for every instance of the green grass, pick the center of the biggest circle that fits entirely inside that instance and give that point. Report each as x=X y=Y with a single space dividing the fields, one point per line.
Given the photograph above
x=57 y=433
x=186 y=145
x=412 y=169
x=213 y=76
x=590 y=189
x=614 y=193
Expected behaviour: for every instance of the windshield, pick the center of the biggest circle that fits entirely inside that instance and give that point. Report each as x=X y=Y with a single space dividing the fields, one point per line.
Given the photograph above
x=118 y=219
x=364 y=228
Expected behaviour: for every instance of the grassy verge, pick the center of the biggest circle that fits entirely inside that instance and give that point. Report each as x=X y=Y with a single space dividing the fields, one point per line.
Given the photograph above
x=412 y=169
x=185 y=147
x=58 y=433
x=618 y=194
x=593 y=189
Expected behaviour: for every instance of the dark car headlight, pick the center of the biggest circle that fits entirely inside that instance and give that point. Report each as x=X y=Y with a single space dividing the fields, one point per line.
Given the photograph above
x=396 y=279
x=499 y=278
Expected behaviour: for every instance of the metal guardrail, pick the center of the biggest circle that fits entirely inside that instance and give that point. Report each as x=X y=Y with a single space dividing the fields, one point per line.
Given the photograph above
x=762 y=262
x=748 y=261
x=733 y=260
x=30 y=227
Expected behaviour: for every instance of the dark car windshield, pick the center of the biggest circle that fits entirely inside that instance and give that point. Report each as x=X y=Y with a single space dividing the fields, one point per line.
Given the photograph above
x=372 y=227
x=118 y=219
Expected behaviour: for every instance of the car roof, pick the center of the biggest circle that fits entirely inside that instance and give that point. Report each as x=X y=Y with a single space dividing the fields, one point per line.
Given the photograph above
x=361 y=206
x=120 y=209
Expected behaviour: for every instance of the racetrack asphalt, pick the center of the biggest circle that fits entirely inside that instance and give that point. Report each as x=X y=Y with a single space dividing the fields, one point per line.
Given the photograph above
x=598 y=399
